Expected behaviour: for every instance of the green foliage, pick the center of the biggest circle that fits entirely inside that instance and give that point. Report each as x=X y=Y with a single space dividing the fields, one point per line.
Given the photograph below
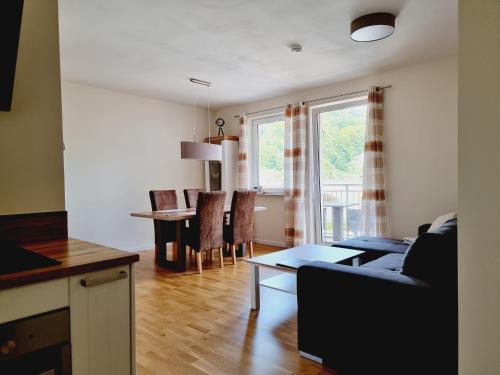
x=342 y=135
x=271 y=153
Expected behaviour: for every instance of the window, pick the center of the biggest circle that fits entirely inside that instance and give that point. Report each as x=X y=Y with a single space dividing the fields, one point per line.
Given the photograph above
x=268 y=153
x=340 y=136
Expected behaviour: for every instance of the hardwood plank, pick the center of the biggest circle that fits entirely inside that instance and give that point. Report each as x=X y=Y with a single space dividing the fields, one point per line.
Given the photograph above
x=189 y=323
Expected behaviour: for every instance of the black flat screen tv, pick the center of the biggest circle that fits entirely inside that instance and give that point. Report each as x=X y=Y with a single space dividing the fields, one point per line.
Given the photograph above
x=11 y=12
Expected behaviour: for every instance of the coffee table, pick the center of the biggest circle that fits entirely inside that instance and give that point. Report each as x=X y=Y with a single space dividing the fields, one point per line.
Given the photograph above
x=287 y=280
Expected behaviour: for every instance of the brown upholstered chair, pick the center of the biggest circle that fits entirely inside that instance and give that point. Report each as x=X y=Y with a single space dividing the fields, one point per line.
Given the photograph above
x=191 y=197
x=164 y=231
x=240 y=228
x=205 y=230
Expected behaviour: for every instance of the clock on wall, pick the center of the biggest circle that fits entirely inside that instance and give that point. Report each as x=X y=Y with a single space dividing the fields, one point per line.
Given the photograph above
x=220 y=123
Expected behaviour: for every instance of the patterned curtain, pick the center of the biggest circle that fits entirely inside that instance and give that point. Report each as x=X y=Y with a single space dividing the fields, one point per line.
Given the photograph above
x=374 y=219
x=242 y=183
x=295 y=164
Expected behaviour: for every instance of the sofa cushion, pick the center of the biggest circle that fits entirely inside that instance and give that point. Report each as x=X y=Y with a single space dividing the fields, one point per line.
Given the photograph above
x=385 y=245
x=433 y=255
x=390 y=262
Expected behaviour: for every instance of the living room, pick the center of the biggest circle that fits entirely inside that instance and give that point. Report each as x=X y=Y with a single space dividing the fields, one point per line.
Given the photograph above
x=264 y=187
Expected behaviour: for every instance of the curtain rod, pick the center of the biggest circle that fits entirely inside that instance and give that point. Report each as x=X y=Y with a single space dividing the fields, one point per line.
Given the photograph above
x=315 y=100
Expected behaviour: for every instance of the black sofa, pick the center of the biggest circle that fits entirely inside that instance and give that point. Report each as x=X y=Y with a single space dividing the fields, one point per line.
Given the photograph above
x=397 y=314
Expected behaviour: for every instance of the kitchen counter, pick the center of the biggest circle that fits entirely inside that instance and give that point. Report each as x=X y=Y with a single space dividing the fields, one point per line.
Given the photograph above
x=76 y=257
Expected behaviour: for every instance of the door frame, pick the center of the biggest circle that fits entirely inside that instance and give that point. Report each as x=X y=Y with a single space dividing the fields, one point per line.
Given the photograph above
x=315 y=112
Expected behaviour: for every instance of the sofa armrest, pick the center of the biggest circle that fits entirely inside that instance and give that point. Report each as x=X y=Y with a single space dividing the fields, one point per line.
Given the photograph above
x=343 y=310
x=423 y=228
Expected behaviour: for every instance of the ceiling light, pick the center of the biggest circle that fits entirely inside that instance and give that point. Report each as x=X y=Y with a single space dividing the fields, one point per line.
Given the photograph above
x=373 y=26
x=199 y=150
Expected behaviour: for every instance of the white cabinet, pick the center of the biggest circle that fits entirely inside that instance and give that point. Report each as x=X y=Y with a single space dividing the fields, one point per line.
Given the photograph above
x=221 y=175
x=102 y=322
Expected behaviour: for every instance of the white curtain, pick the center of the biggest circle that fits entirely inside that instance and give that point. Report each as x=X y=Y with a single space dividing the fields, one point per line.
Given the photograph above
x=374 y=218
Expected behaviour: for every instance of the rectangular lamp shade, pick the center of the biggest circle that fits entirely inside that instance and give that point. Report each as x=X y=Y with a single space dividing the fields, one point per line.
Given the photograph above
x=201 y=151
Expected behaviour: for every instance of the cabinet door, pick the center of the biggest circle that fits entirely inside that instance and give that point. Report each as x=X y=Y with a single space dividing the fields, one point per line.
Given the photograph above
x=100 y=304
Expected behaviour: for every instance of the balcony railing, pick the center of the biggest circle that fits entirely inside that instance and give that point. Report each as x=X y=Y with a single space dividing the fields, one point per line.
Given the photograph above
x=340 y=211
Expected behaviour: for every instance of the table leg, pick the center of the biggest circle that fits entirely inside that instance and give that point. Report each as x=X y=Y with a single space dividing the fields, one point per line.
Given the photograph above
x=180 y=246
x=255 y=288
x=160 y=254
x=337 y=223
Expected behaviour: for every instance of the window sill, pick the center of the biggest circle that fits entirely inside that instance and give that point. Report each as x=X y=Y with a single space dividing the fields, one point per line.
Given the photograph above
x=271 y=194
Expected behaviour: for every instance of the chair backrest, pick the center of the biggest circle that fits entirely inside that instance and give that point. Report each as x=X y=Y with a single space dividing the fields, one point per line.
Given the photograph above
x=163 y=199
x=191 y=197
x=209 y=219
x=241 y=221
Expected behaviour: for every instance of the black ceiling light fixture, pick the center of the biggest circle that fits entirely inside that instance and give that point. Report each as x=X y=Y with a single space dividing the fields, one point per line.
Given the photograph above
x=372 y=27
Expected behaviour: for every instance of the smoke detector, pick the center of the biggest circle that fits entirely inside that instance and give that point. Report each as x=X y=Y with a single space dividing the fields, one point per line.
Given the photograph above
x=295 y=48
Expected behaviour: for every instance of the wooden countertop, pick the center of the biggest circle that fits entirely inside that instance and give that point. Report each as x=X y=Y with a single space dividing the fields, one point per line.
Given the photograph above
x=77 y=257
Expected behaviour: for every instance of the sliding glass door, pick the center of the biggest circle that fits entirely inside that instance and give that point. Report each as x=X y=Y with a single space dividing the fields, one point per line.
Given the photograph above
x=339 y=136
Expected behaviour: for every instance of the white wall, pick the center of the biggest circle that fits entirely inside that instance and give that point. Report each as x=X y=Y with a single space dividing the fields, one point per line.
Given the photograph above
x=31 y=147
x=118 y=147
x=479 y=187
x=420 y=144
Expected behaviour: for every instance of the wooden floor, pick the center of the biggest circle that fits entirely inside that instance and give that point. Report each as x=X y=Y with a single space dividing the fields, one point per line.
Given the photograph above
x=202 y=324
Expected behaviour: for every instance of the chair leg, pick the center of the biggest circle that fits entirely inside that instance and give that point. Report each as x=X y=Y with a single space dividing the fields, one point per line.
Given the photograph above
x=174 y=251
x=221 y=256
x=251 y=249
x=233 y=253
x=198 y=262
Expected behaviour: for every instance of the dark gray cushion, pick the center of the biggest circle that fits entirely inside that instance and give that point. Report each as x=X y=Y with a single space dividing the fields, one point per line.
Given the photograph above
x=433 y=255
x=386 y=245
x=389 y=262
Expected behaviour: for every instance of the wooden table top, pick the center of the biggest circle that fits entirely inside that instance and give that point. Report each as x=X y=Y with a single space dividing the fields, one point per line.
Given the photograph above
x=330 y=254
x=179 y=213
x=76 y=257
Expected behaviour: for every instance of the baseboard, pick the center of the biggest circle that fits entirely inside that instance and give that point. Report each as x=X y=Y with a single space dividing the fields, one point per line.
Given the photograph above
x=270 y=243
x=138 y=248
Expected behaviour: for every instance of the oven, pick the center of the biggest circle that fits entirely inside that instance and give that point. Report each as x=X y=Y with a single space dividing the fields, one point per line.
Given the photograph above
x=37 y=345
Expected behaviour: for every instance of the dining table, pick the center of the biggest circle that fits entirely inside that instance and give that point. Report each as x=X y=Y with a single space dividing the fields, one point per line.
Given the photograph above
x=180 y=216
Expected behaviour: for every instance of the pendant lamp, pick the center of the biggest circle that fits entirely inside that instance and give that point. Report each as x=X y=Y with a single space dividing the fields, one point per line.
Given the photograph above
x=201 y=150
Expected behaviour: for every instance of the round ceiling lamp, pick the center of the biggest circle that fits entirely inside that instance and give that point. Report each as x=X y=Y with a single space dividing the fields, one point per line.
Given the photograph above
x=372 y=27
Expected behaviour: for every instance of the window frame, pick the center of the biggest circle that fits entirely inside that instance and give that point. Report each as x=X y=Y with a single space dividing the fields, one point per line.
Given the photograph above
x=256 y=122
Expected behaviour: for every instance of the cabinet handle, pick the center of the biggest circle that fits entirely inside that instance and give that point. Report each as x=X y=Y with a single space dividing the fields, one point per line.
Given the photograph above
x=87 y=283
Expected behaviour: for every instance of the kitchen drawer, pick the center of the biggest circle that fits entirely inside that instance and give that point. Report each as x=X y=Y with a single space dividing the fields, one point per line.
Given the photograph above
x=21 y=302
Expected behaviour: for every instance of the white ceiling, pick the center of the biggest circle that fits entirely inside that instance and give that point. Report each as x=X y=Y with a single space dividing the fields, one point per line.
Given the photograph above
x=151 y=47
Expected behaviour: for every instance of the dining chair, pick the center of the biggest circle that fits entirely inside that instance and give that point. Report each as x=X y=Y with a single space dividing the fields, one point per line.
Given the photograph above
x=205 y=230
x=240 y=228
x=191 y=197
x=164 y=231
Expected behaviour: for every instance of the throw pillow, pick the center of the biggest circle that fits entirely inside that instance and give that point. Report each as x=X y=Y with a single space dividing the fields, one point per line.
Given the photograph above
x=440 y=220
